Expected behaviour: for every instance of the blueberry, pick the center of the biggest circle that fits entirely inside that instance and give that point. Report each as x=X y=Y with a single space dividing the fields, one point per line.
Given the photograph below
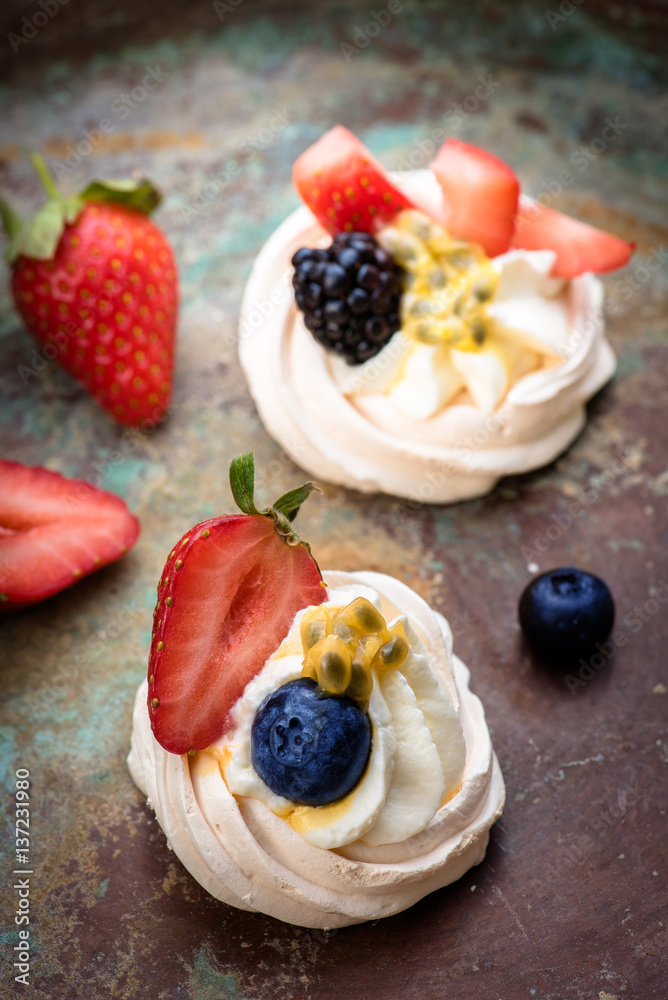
x=565 y=613
x=310 y=748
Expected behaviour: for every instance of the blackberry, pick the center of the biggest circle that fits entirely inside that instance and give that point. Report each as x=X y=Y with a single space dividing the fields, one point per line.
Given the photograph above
x=349 y=295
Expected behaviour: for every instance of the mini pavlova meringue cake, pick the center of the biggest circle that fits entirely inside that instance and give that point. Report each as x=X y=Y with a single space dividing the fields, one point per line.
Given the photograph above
x=424 y=353
x=334 y=775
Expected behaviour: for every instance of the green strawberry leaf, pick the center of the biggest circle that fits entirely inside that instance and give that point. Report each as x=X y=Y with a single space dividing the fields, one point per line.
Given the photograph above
x=290 y=502
x=141 y=194
x=11 y=222
x=242 y=483
x=39 y=236
x=284 y=511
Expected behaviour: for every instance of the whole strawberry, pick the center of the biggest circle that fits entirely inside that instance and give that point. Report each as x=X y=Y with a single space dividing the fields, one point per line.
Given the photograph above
x=94 y=279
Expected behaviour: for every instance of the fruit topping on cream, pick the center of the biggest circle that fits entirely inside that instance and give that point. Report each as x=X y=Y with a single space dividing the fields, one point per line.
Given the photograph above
x=361 y=676
x=441 y=299
x=354 y=772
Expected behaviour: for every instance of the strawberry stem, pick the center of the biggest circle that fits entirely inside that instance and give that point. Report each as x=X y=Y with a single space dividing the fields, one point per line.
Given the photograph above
x=44 y=175
x=283 y=511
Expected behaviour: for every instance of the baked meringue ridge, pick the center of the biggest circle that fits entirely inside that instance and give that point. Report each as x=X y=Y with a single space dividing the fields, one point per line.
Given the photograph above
x=419 y=421
x=417 y=820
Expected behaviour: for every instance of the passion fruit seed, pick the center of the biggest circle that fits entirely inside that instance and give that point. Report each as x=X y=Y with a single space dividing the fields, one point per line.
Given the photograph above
x=343 y=646
x=395 y=650
x=361 y=680
x=448 y=283
x=360 y=614
x=312 y=631
x=332 y=659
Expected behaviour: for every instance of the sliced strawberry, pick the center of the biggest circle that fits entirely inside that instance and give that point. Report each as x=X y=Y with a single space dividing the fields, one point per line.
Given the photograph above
x=228 y=594
x=344 y=186
x=579 y=246
x=53 y=531
x=481 y=194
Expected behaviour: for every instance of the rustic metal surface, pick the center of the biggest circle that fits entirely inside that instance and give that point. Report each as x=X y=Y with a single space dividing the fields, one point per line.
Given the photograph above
x=567 y=903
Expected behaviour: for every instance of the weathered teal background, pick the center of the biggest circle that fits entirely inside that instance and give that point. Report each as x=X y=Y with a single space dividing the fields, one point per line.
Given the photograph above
x=567 y=903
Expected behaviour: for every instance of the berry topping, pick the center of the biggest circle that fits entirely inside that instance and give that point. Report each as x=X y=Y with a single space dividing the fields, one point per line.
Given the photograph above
x=309 y=748
x=344 y=186
x=481 y=194
x=565 y=612
x=227 y=596
x=54 y=531
x=350 y=299
x=579 y=246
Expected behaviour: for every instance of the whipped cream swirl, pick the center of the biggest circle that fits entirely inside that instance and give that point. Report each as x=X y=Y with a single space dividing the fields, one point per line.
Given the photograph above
x=424 y=439
x=418 y=819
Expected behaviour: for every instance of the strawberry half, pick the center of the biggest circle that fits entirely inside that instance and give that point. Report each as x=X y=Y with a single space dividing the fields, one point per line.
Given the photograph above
x=579 y=246
x=481 y=195
x=344 y=186
x=53 y=531
x=95 y=282
x=228 y=594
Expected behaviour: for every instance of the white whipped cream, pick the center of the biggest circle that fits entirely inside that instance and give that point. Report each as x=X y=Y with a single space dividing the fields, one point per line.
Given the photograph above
x=403 y=423
x=251 y=851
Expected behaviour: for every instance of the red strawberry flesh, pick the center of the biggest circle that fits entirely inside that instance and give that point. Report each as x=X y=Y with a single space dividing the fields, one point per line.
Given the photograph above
x=219 y=616
x=481 y=193
x=53 y=531
x=107 y=302
x=344 y=186
x=579 y=246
